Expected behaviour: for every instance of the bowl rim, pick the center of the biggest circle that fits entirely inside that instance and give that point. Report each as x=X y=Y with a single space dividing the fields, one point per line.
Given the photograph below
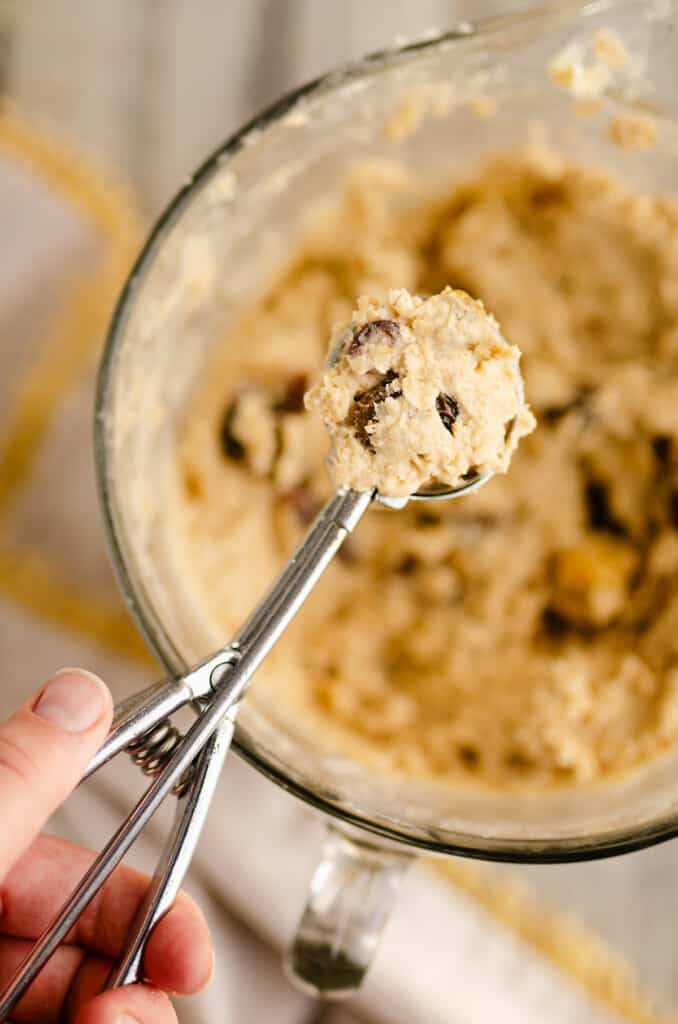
x=532 y=850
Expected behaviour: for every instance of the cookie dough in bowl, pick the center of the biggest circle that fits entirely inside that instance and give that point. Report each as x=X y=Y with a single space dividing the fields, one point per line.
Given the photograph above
x=523 y=637
x=420 y=391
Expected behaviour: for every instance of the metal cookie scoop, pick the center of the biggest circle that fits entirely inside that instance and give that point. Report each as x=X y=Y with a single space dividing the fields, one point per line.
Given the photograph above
x=189 y=765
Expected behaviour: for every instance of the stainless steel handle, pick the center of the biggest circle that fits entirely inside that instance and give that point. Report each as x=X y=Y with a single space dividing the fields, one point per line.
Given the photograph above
x=189 y=818
x=229 y=676
x=335 y=521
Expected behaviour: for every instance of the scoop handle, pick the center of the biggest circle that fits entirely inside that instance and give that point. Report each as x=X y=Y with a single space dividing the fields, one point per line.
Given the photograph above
x=189 y=818
x=229 y=675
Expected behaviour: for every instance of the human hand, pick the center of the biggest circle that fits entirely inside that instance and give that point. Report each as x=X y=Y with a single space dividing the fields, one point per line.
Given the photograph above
x=45 y=747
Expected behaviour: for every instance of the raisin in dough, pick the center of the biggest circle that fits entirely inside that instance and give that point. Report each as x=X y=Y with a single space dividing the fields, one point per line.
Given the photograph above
x=420 y=391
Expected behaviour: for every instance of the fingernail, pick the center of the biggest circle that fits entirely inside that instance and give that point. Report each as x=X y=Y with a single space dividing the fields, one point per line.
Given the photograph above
x=73 y=700
x=127 y=1018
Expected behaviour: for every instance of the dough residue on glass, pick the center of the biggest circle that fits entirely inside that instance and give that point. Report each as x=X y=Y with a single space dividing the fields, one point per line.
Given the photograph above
x=526 y=635
x=420 y=392
x=632 y=130
x=587 y=67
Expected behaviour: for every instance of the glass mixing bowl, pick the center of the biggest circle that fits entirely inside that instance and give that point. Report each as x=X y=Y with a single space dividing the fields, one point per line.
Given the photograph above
x=215 y=248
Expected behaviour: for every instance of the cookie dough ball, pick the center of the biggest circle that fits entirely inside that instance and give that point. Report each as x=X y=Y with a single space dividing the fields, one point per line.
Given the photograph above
x=420 y=392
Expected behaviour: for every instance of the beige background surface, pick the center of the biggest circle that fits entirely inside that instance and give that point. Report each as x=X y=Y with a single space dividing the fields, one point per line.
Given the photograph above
x=153 y=85
x=150 y=86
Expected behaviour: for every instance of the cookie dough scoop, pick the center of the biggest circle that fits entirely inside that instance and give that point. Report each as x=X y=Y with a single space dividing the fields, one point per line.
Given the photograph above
x=423 y=399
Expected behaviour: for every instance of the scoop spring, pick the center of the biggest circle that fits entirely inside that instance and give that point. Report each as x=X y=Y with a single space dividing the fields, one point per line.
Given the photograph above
x=153 y=749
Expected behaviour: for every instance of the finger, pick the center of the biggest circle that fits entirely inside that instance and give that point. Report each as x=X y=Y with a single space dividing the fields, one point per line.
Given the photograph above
x=178 y=956
x=44 y=748
x=68 y=982
x=143 y=1004
x=178 y=952
x=69 y=988
x=134 y=1004
x=44 y=1001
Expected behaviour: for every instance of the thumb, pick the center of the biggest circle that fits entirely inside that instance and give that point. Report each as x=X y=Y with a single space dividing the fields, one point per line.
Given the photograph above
x=44 y=748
